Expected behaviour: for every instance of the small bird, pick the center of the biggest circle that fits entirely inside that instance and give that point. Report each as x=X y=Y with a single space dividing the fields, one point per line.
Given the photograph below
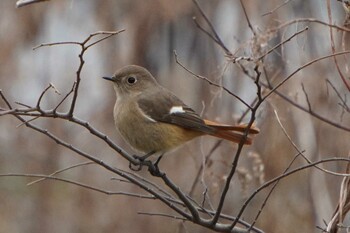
x=152 y=119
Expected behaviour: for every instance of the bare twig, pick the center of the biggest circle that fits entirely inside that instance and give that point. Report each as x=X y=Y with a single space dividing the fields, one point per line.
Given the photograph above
x=82 y=185
x=84 y=47
x=283 y=42
x=343 y=103
x=247 y=18
x=345 y=81
x=210 y=82
x=214 y=34
x=302 y=67
x=163 y=215
x=61 y=170
x=276 y=8
x=306 y=97
x=285 y=175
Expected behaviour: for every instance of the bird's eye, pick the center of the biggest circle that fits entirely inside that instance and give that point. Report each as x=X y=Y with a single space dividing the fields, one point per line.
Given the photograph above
x=131 y=80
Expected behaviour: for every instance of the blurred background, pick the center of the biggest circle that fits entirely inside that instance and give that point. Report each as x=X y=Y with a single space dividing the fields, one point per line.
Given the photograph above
x=153 y=30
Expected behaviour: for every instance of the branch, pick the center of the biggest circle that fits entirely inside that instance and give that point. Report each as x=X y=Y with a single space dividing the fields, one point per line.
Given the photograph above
x=214 y=34
x=302 y=67
x=211 y=82
x=84 y=47
x=329 y=12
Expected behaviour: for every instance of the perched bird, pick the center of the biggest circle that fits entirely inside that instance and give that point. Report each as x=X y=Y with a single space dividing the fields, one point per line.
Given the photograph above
x=152 y=119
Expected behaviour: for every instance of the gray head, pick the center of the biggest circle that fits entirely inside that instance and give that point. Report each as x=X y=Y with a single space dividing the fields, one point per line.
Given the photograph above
x=131 y=80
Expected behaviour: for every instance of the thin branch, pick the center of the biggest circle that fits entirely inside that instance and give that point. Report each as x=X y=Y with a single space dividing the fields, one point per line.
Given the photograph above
x=235 y=163
x=302 y=67
x=306 y=97
x=210 y=82
x=309 y=20
x=283 y=42
x=101 y=163
x=199 y=172
x=163 y=215
x=56 y=43
x=60 y=171
x=84 y=47
x=86 y=186
x=65 y=97
x=42 y=94
x=345 y=81
x=343 y=100
x=276 y=8
x=285 y=175
x=247 y=18
x=304 y=109
x=215 y=36
x=271 y=190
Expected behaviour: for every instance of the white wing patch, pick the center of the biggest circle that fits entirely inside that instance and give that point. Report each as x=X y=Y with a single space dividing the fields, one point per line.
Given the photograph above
x=177 y=109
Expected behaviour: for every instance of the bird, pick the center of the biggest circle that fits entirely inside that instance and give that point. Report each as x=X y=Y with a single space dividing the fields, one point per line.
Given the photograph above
x=154 y=120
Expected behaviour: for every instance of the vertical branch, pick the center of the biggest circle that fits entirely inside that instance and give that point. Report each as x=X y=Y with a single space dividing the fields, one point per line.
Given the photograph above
x=345 y=81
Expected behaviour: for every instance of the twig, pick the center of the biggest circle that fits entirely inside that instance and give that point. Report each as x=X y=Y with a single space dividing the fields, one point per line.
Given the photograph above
x=235 y=161
x=309 y=20
x=199 y=172
x=345 y=81
x=271 y=190
x=247 y=18
x=65 y=97
x=302 y=67
x=284 y=175
x=86 y=186
x=276 y=8
x=282 y=43
x=210 y=82
x=306 y=97
x=60 y=171
x=215 y=36
x=343 y=100
x=163 y=215
x=84 y=47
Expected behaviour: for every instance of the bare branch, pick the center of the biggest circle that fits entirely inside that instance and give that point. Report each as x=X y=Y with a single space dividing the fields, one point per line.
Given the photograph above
x=302 y=67
x=215 y=36
x=345 y=81
x=61 y=170
x=210 y=82
x=306 y=97
x=86 y=186
x=283 y=42
x=276 y=8
x=247 y=18
x=163 y=215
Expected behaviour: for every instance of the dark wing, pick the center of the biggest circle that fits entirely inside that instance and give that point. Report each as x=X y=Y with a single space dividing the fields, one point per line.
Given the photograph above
x=160 y=107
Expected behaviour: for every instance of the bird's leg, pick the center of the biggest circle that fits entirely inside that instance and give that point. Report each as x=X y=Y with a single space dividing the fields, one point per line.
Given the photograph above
x=144 y=157
x=141 y=161
x=154 y=169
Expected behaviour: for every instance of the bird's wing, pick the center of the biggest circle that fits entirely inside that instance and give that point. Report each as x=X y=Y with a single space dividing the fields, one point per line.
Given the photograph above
x=163 y=106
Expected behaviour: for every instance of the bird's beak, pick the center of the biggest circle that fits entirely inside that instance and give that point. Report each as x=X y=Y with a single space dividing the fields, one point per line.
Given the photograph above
x=109 y=78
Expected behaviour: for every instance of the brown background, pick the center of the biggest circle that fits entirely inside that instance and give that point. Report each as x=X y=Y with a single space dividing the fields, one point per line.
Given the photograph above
x=153 y=30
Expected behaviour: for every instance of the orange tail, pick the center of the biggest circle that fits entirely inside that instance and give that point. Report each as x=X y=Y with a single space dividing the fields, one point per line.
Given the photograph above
x=227 y=132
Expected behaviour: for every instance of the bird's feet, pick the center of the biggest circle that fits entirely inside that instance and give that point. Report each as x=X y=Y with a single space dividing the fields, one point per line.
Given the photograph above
x=152 y=167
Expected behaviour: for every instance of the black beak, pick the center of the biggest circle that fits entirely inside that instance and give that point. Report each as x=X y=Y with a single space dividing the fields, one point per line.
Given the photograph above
x=109 y=78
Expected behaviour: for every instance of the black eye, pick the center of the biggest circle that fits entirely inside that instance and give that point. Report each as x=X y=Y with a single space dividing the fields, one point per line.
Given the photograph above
x=131 y=80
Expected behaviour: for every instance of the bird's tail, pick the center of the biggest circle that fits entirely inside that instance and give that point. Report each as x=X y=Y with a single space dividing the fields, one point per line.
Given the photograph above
x=233 y=133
